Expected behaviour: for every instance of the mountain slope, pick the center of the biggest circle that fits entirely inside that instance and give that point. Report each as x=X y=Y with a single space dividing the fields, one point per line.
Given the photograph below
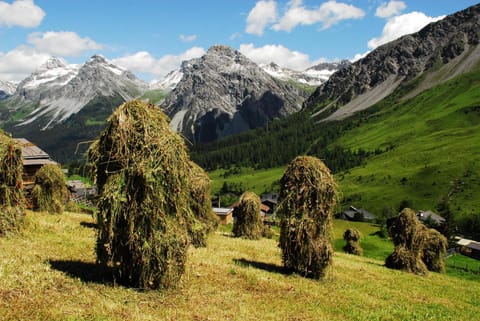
x=442 y=50
x=419 y=144
x=224 y=93
x=7 y=89
x=60 y=105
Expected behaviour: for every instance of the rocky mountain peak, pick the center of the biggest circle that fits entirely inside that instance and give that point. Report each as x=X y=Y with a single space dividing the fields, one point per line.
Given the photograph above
x=224 y=93
x=96 y=59
x=53 y=63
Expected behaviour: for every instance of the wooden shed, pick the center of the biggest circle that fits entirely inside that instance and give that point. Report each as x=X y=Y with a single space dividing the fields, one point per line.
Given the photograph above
x=225 y=214
x=33 y=159
x=469 y=247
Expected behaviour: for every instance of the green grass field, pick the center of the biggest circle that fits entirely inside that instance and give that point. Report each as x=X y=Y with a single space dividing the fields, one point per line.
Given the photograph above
x=49 y=273
x=430 y=150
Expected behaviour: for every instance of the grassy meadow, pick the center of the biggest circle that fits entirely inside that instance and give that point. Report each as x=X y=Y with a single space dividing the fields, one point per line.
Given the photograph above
x=49 y=273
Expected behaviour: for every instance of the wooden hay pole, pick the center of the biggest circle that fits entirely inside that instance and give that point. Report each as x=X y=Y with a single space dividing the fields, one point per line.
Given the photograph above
x=352 y=237
x=142 y=171
x=248 y=222
x=307 y=202
x=12 y=205
x=50 y=193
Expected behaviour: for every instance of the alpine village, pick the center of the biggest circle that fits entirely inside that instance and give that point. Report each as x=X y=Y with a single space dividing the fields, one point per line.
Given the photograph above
x=233 y=190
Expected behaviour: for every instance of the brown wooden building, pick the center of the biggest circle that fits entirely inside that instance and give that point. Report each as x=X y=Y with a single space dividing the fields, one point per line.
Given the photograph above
x=33 y=159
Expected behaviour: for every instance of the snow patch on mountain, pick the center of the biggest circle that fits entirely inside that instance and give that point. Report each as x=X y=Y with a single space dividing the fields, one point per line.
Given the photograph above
x=61 y=90
x=7 y=88
x=169 y=82
x=313 y=76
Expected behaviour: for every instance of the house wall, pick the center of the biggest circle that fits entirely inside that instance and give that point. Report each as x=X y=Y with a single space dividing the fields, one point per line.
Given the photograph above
x=226 y=219
x=470 y=252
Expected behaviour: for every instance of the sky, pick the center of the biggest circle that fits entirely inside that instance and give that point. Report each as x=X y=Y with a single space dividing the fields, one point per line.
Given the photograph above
x=153 y=37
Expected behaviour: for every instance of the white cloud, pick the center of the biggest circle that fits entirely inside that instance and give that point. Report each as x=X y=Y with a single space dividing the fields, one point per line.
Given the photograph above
x=327 y=14
x=188 y=38
x=263 y=14
x=23 y=13
x=235 y=35
x=402 y=25
x=386 y=10
x=360 y=56
x=62 y=43
x=144 y=62
x=278 y=54
x=19 y=63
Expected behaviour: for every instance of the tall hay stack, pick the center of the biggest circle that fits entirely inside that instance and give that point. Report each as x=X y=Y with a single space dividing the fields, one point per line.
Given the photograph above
x=50 y=192
x=248 y=222
x=206 y=220
x=417 y=248
x=352 y=237
x=307 y=201
x=145 y=212
x=11 y=194
x=434 y=251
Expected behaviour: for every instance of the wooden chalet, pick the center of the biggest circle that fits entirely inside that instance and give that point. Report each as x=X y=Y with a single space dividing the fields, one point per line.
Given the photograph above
x=33 y=159
x=356 y=214
x=426 y=216
x=469 y=247
x=225 y=214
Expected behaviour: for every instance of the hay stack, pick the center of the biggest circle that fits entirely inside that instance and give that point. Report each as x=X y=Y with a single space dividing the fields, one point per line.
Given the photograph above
x=409 y=236
x=142 y=171
x=307 y=201
x=11 y=195
x=206 y=220
x=50 y=192
x=352 y=236
x=248 y=223
x=434 y=251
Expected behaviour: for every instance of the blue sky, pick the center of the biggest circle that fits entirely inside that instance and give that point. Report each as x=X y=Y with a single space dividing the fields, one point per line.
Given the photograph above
x=152 y=37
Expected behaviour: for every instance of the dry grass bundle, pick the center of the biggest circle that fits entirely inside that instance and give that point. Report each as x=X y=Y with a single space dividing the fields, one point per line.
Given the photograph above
x=307 y=201
x=434 y=251
x=206 y=220
x=142 y=171
x=409 y=236
x=11 y=195
x=406 y=260
x=248 y=223
x=352 y=236
x=50 y=192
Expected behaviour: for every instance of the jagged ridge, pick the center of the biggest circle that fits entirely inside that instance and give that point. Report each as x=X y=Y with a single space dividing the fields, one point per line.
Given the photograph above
x=443 y=46
x=224 y=93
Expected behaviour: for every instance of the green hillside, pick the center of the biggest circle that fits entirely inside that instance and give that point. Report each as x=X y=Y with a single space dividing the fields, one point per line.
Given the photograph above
x=415 y=151
x=433 y=151
x=49 y=273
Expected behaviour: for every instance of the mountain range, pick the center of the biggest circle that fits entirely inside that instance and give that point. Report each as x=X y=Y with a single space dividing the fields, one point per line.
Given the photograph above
x=61 y=105
x=398 y=128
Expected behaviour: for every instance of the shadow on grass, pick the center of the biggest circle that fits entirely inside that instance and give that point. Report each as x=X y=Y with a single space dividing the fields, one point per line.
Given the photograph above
x=89 y=224
x=263 y=266
x=87 y=272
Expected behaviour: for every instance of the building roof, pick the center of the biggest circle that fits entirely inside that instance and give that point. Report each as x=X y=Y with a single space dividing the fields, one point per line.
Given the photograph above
x=468 y=243
x=264 y=208
x=424 y=215
x=222 y=211
x=350 y=213
x=270 y=197
x=32 y=154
